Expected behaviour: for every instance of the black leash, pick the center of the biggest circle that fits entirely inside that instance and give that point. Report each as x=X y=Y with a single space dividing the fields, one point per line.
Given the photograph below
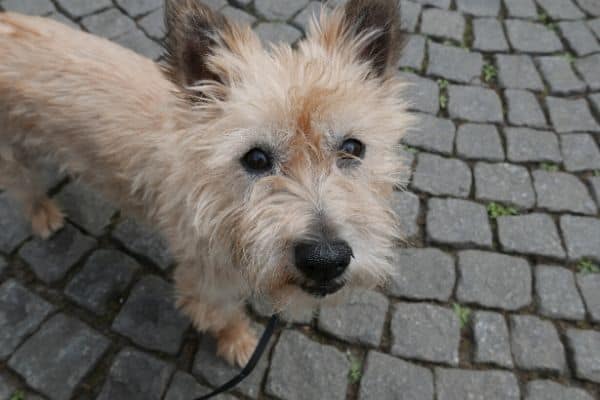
x=258 y=352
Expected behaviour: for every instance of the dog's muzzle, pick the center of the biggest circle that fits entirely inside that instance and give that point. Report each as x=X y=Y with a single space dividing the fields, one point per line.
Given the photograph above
x=322 y=263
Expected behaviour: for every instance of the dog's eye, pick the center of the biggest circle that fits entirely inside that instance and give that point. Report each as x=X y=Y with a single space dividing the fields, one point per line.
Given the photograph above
x=353 y=148
x=257 y=161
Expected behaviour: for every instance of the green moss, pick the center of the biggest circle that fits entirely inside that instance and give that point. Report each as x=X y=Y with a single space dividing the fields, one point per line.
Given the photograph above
x=496 y=210
x=585 y=266
x=463 y=313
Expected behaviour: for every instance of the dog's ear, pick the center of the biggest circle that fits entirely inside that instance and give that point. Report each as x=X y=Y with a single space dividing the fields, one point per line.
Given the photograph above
x=383 y=18
x=193 y=31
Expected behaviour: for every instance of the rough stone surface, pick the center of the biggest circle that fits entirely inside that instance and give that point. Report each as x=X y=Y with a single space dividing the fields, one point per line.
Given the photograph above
x=425 y=332
x=51 y=259
x=505 y=183
x=585 y=345
x=30 y=7
x=580 y=153
x=150 y=319
x=559 y=75
x=14 y=228
x=424 y=274
x=458 y=222
x=521 y=8
x=297 y=360
x=454 y=63
x=413 y=53
x=431 y=134
x=239 y=16
x=57 y=357
x=457 y=384
x=571 y=115
x=21 y=313
x=141 y=241
x=589 y=286
x=103 y=280
x=518 y=72
x=474 y=104
x=590 y=6
x=136 y=376
x=557 y=294
x=534 y=234
x=3 y=265
x=409 y=13
x=524 y=109
x=492 y=344
x=273 y=32
x=529 y=145
x=595 y=183
x=78 y=8
x=136 y=8
x=359 y=320
x=407 y=206
x=442 y=176
x=110 y=24
x=579 y=37
x=493 y=280
x=279 y=9
x=589 y=68
x=536 y=345
x=154 y=24
x=488 y=8
x=479 y=142
x=185 y=387
x=548 y=390
x=388 y=378
x=582 y=237
x=421 y=94
x=561 y=9
x=489 y=35
x=561 y=192
x=443 y=24
x=529 y=37
x=137 y=41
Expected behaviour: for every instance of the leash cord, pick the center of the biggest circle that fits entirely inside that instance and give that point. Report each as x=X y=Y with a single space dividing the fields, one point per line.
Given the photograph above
x=258 y=352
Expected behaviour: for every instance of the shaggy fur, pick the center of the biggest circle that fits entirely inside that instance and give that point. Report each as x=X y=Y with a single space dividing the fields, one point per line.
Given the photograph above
x=165 y=143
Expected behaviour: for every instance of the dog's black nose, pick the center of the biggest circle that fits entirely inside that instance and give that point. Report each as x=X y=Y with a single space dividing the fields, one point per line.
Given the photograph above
x=322 y=261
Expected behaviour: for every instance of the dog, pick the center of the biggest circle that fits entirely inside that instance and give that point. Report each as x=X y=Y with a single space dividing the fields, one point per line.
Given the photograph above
x=270 y=171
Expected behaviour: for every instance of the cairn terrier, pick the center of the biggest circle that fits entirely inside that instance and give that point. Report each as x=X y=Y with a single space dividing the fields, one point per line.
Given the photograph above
x=269 y=170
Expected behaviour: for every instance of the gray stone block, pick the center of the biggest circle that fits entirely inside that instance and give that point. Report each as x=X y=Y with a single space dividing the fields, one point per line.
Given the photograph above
x=21 y=313
x=459 y=384
x=409 y=14
x=528 y=145
x=479 y=142
x=549 y=390
x=136 y=376
x=420 y=94
x=534 y=234
x=595 y=100
x=492 y=345
x=557 y=294
x=562 y=192
x=521 y=8
x=488 y=8
x=524 y=109
x=14 y=227
x=561 y=9
x=536 y=345
x=454 y=63
x=413 y=54
x=442 y=176
x=58 y=356
x=135 y=8
x=280 y=10
x=589 y=285
x=359 y=319
x=154 y=24
x=29 y=7
x=585 y=346
x=406 y=206
x=78 y=8
x=298 y=360
x=431 y=134
x=489 y=35
x=425 y=332
x=493 y=280
x=388 y=378
x=436 y=3
x=273 y=32
x=582 y=237
x=304 y=18
x=594 y=25
x=143 y=242
x=505 y=183
x=443 y=24
x=474 y=104
x=589 y=68
x=51 y=259
x=103 y=280
x=559 y=75
x=238 y=16
x=518 y=72
x=109 y=24
x=529 y=37
x=595 y=183
x=579 y=37
x=185 y=387
x=458 y=223
x=423 y=274
x=571 y=115
x=137 y=41
x=592 y=7
x=149 y=317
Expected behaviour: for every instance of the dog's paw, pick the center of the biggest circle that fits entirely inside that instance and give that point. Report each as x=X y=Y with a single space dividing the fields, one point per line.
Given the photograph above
x=236 y=345
x=46 y=218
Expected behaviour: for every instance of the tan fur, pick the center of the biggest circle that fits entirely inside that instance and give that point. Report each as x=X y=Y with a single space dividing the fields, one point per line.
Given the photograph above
x=117 y=121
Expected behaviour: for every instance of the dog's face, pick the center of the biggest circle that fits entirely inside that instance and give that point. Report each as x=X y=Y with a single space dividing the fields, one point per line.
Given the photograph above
x=297 y=147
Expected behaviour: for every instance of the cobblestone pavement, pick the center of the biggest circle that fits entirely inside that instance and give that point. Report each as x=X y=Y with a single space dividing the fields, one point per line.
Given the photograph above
x=498 y=299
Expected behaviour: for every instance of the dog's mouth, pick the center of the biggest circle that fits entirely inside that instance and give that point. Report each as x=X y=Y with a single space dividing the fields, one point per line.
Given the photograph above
x=323 y=289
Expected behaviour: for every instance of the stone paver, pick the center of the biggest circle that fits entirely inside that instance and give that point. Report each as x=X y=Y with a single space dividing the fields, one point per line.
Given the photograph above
x=273 y=32
x=561 y=9
x=279 y=9
x=79 y=8
x=529 y=37
x=493 y=280
x=135 y=8
x=423 y=274
x=458 y=222
x=536 y=345
x=589 y=68
x=474 y=104
x=457 y=384
x=534 y=234
x=454 y=63
x=443 y=24
x=580 y=152
x=389 y=378
x=413 y=53
x=425 y=332
x=298 y=360
x=33 y=7
x=518 y=72
x=549 y=390
x=585 y=345
x=14 y=228
x=421 y=94
x=505 y=183
x=559 y=75
x=589 y=285
x=431 y=134
x=110 y=24
x=582 y=236
x=571 y=115
x=141 y=241
x=488 y=8
x=57 y=357
x=557 y=293
x=562 y=192
x=524 y=109
x=529 y=145
x=489 y=35
x=410 y=13
x=579 y=37
x=492 y=344
x=479 y=142
x=407 y=207
x=521 y=8
x=185 y=387
x=441 y=176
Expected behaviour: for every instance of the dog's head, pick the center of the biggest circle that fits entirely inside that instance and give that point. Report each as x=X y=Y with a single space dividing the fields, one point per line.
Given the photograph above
x=293 y=156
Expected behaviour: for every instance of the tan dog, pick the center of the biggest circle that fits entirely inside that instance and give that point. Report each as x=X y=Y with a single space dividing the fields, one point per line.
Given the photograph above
x=269 y=171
